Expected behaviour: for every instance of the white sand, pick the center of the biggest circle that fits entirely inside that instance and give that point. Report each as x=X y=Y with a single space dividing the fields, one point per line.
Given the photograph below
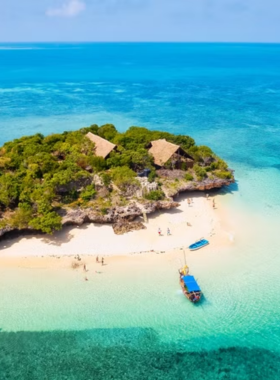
x=93 y=239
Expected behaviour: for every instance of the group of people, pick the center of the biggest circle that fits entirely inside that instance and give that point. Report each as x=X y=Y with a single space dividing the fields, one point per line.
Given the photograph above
x=98 y=261
x=190 y=201
x=160 y=233
x=102 y=260
x=213 y=202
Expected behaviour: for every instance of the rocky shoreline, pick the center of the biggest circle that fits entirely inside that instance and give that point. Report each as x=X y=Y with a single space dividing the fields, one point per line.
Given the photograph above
x=204 y=185
x=123 y=218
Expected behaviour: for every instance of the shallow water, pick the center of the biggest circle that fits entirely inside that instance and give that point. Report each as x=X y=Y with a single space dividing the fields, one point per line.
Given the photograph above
x=225 y=96
x=126 y=354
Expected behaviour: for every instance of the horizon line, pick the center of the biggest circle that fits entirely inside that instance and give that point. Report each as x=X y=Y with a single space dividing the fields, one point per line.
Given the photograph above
x=140 y=42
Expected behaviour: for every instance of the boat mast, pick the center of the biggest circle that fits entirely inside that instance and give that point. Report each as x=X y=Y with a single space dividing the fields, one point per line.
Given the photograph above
x=184 y=256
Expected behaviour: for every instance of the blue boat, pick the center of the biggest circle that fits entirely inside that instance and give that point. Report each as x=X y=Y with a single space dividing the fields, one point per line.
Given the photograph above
x=198 y=244
x=189 y=285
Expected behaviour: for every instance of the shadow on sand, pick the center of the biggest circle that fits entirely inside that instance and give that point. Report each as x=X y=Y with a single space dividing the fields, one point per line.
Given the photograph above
x=57 y=239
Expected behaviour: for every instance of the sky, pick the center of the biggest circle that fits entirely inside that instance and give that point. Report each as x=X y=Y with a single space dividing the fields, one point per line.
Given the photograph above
x=140 y=20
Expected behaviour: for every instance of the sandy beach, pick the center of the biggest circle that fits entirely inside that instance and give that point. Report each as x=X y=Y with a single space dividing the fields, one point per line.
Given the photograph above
x=56 y=282
x=187 y=223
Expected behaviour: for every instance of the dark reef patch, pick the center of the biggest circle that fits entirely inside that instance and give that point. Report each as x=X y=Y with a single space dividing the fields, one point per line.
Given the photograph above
x=124 y=354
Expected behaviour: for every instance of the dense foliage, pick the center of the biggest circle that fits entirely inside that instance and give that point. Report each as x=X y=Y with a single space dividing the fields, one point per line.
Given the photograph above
x=39 y=175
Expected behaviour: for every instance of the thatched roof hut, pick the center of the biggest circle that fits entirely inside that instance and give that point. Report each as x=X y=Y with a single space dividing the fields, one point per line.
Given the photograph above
x=102 y=147
x=162 y=151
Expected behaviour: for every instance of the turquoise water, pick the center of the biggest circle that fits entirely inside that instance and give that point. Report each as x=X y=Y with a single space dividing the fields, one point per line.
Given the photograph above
x=224 y=95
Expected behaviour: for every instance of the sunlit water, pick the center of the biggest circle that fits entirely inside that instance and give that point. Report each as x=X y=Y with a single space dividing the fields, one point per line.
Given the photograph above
x=139 y=326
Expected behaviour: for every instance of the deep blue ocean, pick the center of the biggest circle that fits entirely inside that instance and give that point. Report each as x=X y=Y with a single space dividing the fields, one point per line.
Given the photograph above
x=226 y=96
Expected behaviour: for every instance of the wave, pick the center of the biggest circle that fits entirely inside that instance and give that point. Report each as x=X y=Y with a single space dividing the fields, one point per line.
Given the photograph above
x=22 y=89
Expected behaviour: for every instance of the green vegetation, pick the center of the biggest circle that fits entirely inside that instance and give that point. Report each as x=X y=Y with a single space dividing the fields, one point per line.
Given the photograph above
x=88 y=193
x=152 y=176
x=200 y=172
x=155 y=195
x=188 y=177
x=223 y=174
x=40 y=175
x=123 y=177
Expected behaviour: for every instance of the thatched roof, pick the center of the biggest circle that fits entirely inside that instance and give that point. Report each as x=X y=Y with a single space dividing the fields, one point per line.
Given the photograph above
x=162 y=151
x=102 y=147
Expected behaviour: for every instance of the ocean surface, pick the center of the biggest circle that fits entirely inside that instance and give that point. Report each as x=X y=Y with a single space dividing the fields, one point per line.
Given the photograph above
x=226 y=96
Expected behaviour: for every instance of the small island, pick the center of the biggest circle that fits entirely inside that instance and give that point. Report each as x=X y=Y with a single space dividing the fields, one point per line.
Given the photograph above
x=97 y=174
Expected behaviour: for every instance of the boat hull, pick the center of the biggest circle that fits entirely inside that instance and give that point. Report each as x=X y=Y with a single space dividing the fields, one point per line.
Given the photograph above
x=199 y=244
x=194 y=295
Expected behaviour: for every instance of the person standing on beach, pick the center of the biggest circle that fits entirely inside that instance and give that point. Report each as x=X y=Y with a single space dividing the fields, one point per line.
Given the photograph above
x=189 y=202
x=97 y=259
x=102 y=261
x=213 y=203
x=168 y=232
x=159 y=232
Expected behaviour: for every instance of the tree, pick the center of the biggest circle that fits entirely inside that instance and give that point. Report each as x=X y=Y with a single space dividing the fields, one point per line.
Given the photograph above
x=39 y=174
x=123 y=176
x=48 y=222
x=20 y=219
x=9 y=189
x=107 y=131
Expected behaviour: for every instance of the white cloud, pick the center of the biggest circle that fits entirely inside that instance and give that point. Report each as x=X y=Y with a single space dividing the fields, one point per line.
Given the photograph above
x=70 y=9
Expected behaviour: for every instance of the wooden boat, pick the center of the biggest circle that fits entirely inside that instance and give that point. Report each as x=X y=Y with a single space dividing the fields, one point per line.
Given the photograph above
x=189 y=285
x=198 y=244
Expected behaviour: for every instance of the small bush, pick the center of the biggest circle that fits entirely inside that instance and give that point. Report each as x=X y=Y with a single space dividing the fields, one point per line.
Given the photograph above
x=123 y=177
x=155 y=195
x=22 y=216
x=106 y=178
x=214 y=165
x=188 y=177
x=88 y=193
x=219 y=164
x=223 y=174
x=200 y=172
x=152 y=176
x=70 y=197
x=98 y=163
x=104 y=210
x=222 y=165
x=204 y=151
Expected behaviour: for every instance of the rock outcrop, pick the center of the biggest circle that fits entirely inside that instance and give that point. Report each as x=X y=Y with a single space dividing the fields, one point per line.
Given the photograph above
x=128 y=213
x=122 y=226
x=207 y=184
x=146 y=186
